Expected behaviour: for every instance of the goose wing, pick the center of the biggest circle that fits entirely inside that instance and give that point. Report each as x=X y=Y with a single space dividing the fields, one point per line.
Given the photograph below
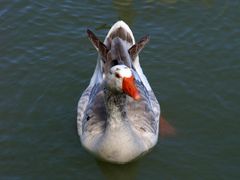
x=91 y=117
x=144 y=114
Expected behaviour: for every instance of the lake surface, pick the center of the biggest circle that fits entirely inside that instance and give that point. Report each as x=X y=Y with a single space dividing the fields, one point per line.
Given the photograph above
x=191 y=61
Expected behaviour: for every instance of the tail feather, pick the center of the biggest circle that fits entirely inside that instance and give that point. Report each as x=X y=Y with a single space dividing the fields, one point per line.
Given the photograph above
x=121 y=33
x=120 y=29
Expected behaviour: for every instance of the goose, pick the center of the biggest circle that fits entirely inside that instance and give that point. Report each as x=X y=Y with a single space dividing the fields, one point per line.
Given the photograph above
x=118 y=113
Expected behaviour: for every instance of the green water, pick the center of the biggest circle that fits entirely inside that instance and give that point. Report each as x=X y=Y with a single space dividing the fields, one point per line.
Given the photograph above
x=192 y=63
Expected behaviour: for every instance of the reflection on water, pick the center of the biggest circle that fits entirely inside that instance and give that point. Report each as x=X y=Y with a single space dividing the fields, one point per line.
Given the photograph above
x=207 y=2
x=118 y=172
x=102 y=26
x=125 y=10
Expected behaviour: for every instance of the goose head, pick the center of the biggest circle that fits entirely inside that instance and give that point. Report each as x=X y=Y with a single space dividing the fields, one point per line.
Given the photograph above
x=120 y=79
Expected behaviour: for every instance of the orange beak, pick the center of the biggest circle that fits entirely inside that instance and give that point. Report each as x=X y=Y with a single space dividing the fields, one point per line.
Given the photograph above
x=129 y=87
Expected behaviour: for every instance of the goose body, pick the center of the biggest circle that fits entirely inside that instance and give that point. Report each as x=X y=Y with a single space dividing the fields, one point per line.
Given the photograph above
x=118 y=113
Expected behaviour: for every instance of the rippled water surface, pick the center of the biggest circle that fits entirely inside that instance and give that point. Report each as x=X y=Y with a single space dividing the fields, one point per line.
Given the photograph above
x=192 y=63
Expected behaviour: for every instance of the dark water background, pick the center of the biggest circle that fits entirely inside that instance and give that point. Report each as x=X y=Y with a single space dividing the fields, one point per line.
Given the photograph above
x=192 y=63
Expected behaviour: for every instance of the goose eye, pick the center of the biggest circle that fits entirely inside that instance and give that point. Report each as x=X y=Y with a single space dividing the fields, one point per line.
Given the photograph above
x=117 y=75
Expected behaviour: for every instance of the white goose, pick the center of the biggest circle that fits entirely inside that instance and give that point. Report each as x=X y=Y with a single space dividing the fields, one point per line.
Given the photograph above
x=118 y=113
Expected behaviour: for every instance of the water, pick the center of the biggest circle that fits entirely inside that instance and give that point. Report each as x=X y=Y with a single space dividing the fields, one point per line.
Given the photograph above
x=192 y=63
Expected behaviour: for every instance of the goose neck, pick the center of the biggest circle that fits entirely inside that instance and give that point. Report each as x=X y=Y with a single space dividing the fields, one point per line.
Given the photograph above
x=115 y=106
